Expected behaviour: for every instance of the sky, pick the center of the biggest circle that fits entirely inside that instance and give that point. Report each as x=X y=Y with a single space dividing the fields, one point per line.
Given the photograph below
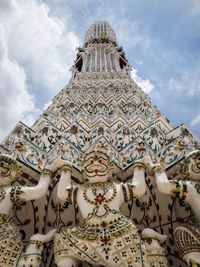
x=38 y=41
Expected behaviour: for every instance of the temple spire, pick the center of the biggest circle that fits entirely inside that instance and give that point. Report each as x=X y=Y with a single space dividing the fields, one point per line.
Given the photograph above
x=100 y=52
x=100 y=30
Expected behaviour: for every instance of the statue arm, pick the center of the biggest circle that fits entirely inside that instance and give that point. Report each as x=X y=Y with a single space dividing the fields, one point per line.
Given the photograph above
x=138 y=181
x=137 y=187
x=31 y=193
x=163 y=184
x=65 y=182
x=38 y=191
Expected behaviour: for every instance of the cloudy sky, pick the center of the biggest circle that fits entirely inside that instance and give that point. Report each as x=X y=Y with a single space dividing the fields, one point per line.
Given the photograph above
x=38 y=40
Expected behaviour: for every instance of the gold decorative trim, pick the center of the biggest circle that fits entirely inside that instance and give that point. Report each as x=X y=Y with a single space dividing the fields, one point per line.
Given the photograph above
x=139 y=165
x=158 y=169
x=36 y=242
x=66 y=168
x=8 y=159
x=46 y=172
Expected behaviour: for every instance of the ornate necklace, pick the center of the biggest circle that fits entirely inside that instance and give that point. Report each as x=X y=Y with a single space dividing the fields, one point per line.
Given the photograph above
x=99 y=197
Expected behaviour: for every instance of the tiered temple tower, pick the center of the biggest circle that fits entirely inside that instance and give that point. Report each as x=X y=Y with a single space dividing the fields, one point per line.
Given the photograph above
x=101 y=106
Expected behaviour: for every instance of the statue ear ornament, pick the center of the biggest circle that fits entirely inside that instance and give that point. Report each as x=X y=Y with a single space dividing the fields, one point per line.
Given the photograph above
x=9 y=167
x=195 y=155
x=196 y=166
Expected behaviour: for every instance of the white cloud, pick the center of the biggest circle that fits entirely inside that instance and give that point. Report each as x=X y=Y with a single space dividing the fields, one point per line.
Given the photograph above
x=196 y=120
x=146 y=85
x=188 y=83
x=15 y=101
x=39 y=42
x=195 y=7
x=130 y=32
x=36 y=50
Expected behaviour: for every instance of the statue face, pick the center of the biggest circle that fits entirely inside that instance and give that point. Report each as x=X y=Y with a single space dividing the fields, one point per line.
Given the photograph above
x=96 y=167
x=193 y=165
x=9 y=170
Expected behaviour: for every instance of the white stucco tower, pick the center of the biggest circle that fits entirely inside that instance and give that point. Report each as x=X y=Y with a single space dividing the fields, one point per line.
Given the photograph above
x=101 y=106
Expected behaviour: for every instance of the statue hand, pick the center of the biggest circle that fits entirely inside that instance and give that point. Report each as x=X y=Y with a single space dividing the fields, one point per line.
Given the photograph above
x=147 y=162
x=57 y=164
x=150 y=166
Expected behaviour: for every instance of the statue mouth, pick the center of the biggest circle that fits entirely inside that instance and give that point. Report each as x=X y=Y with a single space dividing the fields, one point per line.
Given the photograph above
x=96 y=168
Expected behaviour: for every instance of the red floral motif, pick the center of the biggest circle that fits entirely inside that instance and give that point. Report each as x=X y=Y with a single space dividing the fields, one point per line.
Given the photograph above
x=148 y=241
x=100 y=198
x=106 y=251
x=103 y=224
x=145 y=104
x=105 y=240
x=140 y=147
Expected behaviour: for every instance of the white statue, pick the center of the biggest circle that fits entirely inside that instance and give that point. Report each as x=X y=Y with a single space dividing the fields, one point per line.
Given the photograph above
x=10 y=239
x=187 y=236
x=32 y=255
x=152 y=242
x=107 y=237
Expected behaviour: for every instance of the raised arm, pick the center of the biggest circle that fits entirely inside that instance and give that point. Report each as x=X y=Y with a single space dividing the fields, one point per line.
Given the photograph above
x=138 y=181
x=65 y=181
x=38 y=191
x=163 y=184
x=31 y=193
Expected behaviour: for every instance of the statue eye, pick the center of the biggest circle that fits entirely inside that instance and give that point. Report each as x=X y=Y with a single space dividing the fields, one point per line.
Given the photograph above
x=100 y=161
x=92 y=161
